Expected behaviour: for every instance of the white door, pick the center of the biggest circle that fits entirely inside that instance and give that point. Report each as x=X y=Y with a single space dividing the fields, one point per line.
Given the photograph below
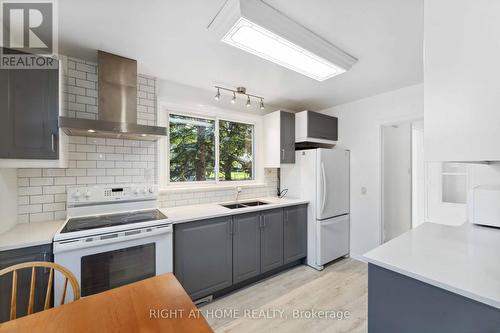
x=333 y=239
x=333 y=183
x=397 y=174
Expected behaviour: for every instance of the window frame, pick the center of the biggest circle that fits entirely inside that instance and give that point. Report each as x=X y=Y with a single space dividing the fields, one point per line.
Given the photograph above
x=216 y=181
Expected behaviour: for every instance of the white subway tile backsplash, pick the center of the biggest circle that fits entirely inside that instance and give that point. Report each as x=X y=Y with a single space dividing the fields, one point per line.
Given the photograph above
x=41 y=181
x=40 y=217
x=38 y=199
x=86 y=165
x=65 y=181
x=86 y=180
x=29 y=172
x=51 y=207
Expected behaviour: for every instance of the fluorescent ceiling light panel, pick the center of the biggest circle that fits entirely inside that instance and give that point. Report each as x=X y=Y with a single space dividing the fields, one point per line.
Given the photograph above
x=255 y=39
x=257 y=28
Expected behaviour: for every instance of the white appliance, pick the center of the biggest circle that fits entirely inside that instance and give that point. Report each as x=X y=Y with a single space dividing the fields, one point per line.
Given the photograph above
x=113 y=236
x=322 y=177
x=486 y=205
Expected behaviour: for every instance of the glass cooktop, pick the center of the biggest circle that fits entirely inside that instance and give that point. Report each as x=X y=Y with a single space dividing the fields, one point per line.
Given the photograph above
x=111 y=220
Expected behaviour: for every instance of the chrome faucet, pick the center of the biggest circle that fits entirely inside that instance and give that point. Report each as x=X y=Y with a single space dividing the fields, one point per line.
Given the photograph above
x=238 y=191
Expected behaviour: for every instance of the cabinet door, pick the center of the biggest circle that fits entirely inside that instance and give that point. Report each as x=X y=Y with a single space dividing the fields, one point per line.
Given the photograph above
x=203 y=256
x=295 y=233
x=321 y=126
x=13 y=257
x=5 y=129
x=246 y=246
x=271 y=241
x=34 y=111
x=287 y=137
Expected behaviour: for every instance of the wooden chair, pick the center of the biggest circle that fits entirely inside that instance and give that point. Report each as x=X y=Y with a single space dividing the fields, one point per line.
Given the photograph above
x=33 y=265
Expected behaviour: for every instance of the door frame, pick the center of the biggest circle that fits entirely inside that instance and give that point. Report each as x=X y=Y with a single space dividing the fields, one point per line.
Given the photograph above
x=381 y=125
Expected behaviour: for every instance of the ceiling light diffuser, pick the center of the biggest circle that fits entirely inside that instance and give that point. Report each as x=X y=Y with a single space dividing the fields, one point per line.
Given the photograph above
x=255 y=39
x=257 y=28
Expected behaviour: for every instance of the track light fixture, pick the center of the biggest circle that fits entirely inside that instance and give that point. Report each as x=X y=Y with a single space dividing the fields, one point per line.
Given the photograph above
x=240 y=91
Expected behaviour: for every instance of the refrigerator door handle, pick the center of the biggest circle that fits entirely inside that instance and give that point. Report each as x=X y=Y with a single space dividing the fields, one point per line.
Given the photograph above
x=323 y=178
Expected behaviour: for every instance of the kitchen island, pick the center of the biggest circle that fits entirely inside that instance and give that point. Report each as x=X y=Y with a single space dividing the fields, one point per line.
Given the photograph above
x=436 y=278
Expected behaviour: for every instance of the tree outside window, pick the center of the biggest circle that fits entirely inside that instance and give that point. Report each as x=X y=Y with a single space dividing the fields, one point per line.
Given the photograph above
x=193 y=150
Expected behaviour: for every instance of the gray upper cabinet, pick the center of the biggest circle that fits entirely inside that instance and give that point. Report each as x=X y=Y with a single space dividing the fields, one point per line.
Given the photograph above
x=203 y=260
x=279 y=138
x=246 y=246
x=322 y=126
x=287 y=137
x=295 y=233
x=271 y=245
x=30 y=107
x=4 y=113
x=18 y=256
x=313 y=128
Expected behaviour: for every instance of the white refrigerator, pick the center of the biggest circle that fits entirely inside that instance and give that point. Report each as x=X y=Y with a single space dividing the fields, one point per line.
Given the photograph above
x=322 y=177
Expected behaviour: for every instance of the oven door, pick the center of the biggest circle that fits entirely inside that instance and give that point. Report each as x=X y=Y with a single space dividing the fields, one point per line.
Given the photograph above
x=111 y=260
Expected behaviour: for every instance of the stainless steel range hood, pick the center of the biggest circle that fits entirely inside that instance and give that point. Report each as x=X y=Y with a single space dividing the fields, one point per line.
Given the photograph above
x=117 y=107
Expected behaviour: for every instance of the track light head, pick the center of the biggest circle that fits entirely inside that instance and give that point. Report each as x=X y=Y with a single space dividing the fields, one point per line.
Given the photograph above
x=261 y=104
x=233 y=100
x=217 y=96
x=248 y=102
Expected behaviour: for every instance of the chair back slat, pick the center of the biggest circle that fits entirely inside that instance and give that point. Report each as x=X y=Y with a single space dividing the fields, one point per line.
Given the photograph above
x=13 y=300
x=49 y=290
x=68 y=276
x=32 y=291
x=63 y=297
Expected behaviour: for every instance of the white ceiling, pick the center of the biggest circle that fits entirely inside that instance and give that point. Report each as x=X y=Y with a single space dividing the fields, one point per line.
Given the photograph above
x=170 y=40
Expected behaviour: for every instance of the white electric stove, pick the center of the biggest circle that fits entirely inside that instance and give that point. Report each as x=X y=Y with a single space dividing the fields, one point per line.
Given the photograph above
x=114 y=235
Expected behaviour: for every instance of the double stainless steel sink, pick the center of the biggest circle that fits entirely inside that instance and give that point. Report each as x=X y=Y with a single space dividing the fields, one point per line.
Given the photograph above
x=237 y=205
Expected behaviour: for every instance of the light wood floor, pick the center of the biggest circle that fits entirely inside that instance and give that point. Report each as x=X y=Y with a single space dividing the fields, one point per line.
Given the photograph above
x=342 y=286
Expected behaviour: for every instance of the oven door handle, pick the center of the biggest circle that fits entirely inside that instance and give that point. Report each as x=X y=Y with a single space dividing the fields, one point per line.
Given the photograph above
x=121 y=236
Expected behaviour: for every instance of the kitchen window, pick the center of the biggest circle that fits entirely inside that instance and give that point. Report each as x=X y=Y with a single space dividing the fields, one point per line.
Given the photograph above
x=210 y=150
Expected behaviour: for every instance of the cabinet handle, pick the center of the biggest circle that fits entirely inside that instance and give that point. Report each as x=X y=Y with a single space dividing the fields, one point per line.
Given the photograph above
x=282 y=154
x=263 y=221
x=53 y=142
x=260 y=221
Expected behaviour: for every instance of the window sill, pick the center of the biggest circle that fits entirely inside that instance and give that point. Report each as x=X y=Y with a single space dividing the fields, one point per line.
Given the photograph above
x=208 y=187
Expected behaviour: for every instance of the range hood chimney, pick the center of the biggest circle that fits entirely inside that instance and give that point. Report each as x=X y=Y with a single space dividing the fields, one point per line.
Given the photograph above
x=117 y=107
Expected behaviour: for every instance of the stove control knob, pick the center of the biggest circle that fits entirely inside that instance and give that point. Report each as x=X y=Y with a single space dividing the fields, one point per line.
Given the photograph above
x=136 y=191
x=88 y=194
x=150 y=190
x=144 y=191
x=77 y=195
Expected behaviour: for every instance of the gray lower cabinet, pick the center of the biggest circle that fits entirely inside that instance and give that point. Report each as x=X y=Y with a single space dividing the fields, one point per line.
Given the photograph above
x=203 y=256
x=214 y=254
x=295 y=233
x=271 y=240
x=246 y=246
x=17 y=256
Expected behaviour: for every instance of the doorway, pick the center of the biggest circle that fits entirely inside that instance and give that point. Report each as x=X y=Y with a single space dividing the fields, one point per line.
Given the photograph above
x=403 y=177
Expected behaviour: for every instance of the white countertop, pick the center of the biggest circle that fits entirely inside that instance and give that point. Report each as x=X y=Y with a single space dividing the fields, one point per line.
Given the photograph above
x=461 y=259
x=24 y=235
x=32 y=234
x=197 y=212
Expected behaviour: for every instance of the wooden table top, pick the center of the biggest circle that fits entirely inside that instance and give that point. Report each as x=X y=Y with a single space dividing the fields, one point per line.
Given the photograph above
x=157 y=304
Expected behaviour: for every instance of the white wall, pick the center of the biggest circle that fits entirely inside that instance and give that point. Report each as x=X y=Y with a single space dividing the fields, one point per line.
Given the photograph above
x=359 y=131
x=418 y=174
x=8 y=196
